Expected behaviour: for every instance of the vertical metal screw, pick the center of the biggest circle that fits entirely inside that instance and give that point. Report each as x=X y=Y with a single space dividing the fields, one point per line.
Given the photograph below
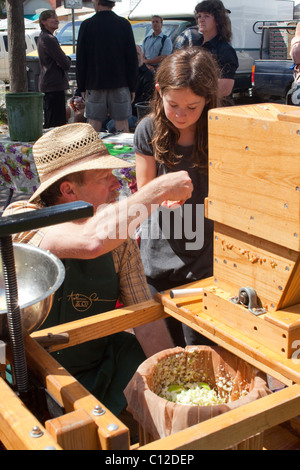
x=98 y=411
x=36 y=432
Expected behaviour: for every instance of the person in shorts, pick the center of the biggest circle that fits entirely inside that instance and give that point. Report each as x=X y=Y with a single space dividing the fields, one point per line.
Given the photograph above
x=107 y=66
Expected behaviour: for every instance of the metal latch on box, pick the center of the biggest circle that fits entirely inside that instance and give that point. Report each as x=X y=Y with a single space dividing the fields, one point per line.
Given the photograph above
x=247 y=297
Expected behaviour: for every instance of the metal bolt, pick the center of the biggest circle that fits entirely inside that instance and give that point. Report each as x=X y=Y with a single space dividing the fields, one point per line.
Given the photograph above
x=36 y=432
x=98 y=411
x=112 y=427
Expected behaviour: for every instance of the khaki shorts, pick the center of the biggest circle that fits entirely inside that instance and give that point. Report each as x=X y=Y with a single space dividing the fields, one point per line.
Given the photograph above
x=100 y=104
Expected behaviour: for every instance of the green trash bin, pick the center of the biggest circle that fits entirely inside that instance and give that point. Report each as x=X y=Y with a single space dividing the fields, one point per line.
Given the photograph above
x=25 y=115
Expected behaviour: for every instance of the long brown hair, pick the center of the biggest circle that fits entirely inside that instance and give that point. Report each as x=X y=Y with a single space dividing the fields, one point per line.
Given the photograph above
x=192 y=68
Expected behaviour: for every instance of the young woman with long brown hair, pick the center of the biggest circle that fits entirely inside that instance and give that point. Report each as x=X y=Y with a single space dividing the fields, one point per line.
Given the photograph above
x=177 y=244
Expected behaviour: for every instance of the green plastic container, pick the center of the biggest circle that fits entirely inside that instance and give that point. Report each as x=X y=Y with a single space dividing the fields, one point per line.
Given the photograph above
x=25 y=116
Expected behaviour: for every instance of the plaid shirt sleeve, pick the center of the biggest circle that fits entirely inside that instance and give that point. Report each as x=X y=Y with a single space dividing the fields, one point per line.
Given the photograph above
x=127 y=258
x=189 y=37
x=129 y=267
x=34 y=237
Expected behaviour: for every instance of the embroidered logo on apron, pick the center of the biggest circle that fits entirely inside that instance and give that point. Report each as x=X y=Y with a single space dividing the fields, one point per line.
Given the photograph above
x=81 y=303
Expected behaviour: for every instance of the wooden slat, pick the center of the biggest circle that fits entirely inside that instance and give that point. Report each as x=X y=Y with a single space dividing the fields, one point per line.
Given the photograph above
x=235 y=426
x=292 y=115
x=104 y=324
x=73 y=396
x=74 y=431
x=16 y=424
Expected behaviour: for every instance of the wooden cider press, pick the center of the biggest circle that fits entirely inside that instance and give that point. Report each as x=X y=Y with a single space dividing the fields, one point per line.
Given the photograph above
x=254 y=200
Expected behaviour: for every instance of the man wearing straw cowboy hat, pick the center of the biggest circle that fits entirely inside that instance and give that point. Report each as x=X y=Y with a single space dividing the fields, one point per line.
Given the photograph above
x=102 y=261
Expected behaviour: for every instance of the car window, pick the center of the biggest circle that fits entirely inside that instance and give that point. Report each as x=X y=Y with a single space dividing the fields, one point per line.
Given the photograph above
x=172 y=30
x=65 y=36
x=140 y=31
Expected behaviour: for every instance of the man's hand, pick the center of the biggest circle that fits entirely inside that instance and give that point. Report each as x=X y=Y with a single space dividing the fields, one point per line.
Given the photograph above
x=176 y=186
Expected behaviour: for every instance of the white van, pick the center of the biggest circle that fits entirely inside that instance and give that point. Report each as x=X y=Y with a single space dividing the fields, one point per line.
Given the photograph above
x=244 y=14
x=31 y=36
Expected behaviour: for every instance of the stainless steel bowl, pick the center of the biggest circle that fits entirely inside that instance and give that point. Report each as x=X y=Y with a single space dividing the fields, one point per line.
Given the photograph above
x=39 y=275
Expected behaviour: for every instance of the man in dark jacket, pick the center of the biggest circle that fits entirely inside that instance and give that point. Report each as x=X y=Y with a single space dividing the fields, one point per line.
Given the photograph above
x=145 y=85
x=106 y=66
x=54 y=64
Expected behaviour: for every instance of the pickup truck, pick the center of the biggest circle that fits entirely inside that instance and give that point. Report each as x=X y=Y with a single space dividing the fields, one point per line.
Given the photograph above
x=272 y=77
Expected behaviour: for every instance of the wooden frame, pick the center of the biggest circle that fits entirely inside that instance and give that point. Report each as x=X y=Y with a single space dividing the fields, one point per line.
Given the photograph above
x=80 y=428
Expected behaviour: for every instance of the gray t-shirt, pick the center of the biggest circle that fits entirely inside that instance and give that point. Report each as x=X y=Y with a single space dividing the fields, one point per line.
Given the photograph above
x=176 y=244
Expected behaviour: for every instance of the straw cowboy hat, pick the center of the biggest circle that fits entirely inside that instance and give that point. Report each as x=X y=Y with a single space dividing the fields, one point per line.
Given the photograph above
x=68 y=149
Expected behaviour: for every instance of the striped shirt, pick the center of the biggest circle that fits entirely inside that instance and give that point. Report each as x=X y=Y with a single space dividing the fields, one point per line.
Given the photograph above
x=127 y=259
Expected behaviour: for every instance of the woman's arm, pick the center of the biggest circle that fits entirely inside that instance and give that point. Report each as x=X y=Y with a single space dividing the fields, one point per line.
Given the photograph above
x=145 y=166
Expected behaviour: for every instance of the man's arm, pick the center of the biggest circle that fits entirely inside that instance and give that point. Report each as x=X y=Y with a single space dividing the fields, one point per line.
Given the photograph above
x=116 y=222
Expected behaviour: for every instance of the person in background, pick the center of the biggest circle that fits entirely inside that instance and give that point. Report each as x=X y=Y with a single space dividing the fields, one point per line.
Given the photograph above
x=213 y=33
x=75 y=109
x=156 y=46
x=106 y=66
x=144 y=91
x=176 y=242
x=293 y=96
x=100 y=253
x=54 y=65
x=145 y=86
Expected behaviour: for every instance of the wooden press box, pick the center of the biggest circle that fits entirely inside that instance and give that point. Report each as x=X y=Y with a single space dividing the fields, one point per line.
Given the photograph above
x=254 y=199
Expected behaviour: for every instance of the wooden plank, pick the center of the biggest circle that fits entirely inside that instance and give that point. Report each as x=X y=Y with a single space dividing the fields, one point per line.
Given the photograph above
x=104 y=324
x=17 y=423
x=292 y=115
x=235 y=426
x=74 y=431
x=244 y=260
x=260 y=164
x=73 y=396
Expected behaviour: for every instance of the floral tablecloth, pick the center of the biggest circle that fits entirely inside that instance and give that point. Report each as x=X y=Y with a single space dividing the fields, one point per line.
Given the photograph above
x=18 y=171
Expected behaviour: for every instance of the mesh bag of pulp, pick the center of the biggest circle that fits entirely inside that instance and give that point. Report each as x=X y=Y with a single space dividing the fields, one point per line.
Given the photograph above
x=230 y=382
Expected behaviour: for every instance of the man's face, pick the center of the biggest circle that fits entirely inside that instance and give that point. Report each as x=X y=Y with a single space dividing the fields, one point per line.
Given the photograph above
x=99 y=187
x=156 y=25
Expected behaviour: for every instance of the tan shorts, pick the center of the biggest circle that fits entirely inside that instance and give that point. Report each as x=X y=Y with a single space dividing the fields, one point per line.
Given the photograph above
x=103 y=104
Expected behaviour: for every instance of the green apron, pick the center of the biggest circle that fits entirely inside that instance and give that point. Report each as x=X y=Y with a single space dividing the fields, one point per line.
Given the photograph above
x=105 y=365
